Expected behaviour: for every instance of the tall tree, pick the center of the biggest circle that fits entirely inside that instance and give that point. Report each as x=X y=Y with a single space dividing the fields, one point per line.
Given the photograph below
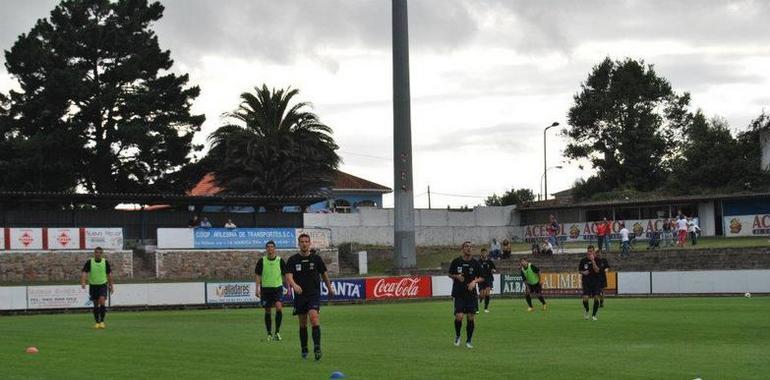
x=98 y=107
x=273 y=147
x=511 y=197
x=626 y=121
x=708 y=151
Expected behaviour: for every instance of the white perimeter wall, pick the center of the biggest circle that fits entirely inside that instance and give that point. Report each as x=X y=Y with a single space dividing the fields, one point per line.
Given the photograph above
x=432 y=227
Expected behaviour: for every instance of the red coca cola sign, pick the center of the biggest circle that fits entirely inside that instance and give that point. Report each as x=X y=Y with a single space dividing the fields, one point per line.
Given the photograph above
x=398 y=287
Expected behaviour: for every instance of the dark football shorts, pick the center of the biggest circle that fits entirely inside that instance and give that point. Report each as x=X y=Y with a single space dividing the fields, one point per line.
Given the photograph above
x=97 y=291
x=537 y=288
x=591 y=288
x=303 y=304
x=488 y=282
x=466 y=304
x=270 y=296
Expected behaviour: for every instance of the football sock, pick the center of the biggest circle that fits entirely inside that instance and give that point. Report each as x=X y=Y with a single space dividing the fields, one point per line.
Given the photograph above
x=529 y=300
x=585 y=305
x=102 y=312
x=268 y=322
x=596 y=307
x=96 y=313
x=486 y=302
x=458 y=327
x=303 y=338
x=317 y=336
x=469 y=329
x=278 y=319
x=542 y=300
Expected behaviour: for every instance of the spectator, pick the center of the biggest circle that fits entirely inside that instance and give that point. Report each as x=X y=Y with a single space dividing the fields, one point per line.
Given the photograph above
x=553 y=231
x=693 y=228
x=506 y=249
x=194 y=222
x=230 y=224
x=681 y=229
x=205 y=223
x=654 y=241
x=494 y=250
x=547 y=248
x=667 y=236
x=482 y=253
x=608 y=228
x=602 y=233
x=624 y=240
x=535 y=247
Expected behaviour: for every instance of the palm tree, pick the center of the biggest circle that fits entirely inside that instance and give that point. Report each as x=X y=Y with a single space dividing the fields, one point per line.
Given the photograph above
x=272 y=148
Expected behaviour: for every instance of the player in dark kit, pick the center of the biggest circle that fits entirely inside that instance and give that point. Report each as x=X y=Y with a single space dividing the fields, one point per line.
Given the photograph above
x=466 y=274
x=487 y=270
x=98 y=273
x=604 y=267
x=269 y=273
x=303 y=273
x=589 y=270
x=531 y=275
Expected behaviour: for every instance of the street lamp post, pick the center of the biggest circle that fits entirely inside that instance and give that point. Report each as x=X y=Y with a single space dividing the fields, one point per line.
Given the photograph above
x=555 y=124
x=543 y=176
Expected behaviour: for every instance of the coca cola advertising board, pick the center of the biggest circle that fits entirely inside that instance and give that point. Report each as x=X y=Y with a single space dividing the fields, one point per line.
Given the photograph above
x=398 y=287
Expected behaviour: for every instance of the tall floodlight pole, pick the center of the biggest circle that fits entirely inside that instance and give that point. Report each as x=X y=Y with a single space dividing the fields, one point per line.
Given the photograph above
x=545 y=162
x=403 y=229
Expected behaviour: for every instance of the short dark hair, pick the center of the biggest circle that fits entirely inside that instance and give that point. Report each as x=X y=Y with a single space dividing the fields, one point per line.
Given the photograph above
x=270 y=242
x=590 y=247
x=303 y=235
x=524 y=258
x=465 y=242
x=98 y=249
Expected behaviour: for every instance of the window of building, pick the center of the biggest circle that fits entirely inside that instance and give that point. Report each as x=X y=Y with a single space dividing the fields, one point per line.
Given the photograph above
x=366 y=203
x=341 y=206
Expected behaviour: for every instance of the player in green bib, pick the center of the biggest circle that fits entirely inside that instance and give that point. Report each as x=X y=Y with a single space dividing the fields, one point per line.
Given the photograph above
x=531 y=276
x=269 y=272
x=98 y=274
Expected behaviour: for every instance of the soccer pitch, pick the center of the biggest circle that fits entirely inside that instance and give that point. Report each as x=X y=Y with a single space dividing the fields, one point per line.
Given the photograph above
x=660 y=338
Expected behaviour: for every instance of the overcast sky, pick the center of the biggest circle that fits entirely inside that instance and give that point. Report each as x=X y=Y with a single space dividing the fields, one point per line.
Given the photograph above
x=486 y=76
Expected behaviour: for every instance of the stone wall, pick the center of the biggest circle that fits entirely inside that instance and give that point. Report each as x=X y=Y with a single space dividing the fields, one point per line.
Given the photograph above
x=223 y=264
x=656 y=261
x=58 y=266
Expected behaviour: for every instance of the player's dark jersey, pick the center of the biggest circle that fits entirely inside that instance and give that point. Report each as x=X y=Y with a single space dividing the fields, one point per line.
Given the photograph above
x=486 y=268
x=470 y=270
x=603 y=265
x=87 y=266
x=307 y=271
x=592 y=276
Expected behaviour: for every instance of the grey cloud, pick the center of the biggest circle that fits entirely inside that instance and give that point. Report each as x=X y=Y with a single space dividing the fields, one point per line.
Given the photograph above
x=698 y=72
x=563 y=25
x=280 y=31
x=506 y=136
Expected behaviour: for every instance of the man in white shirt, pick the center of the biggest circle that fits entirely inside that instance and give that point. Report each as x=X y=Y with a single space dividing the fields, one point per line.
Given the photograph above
x=693 y=229
x=681 y=227
x=624 y=239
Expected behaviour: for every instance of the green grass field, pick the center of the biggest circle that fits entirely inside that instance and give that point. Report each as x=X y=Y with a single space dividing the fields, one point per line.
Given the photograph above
x=669 y=338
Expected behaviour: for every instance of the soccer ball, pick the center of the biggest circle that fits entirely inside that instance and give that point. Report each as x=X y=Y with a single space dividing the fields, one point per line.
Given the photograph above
x=747 y=295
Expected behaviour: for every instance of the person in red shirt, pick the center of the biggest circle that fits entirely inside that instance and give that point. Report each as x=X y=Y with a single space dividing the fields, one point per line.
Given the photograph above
x=602 y=233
